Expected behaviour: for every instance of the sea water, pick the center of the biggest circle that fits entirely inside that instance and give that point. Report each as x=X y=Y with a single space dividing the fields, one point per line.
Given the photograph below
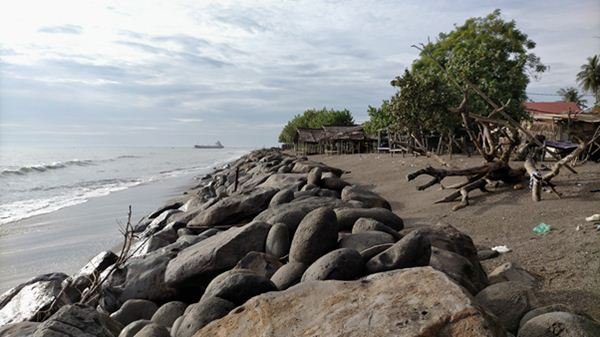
x=36 y=181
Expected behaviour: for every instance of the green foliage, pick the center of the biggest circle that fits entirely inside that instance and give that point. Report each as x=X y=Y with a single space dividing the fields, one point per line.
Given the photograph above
x=379 y=118
x=313 y=118
x=571 y=94
x=589 y=77
x=488 y=52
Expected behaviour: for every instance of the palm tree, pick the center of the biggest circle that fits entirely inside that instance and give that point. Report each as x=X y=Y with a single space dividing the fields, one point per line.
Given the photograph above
x=571 y=94
x=589 y=77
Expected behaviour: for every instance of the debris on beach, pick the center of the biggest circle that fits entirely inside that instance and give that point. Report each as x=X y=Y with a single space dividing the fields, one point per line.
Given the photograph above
x=542 y=228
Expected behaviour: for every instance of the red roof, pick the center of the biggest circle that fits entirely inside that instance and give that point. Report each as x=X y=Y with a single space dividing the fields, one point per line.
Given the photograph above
x=552 y=108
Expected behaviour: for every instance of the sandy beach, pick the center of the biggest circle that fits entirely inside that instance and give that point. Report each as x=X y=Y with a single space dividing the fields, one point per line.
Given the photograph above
x=567 y=259
x=66 y=239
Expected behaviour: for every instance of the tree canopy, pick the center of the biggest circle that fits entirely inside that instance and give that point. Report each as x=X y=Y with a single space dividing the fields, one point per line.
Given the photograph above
x=589 y=77
x=487 y=52
x=379 y=118
x=571 y=94
x=313 y=118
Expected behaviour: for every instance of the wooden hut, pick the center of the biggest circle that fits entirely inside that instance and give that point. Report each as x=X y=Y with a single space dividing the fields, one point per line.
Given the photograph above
x=561 y=121
x=348 y=140
x=309 y=141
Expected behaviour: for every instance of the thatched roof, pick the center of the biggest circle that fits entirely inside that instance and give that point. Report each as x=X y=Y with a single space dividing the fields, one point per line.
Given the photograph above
x=345 y=132
x=305 y=135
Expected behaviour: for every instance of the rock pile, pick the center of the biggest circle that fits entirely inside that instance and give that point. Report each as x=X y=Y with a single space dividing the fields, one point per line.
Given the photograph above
x=276 y=245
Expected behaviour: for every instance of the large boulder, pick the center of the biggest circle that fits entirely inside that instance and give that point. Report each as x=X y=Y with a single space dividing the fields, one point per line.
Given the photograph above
x=141 y=278
x=293 y=212
x=288 y=275
x=509 y=301
x=134 y=310
x=238 y=285
x=340 y=264
x=234 y=209
x=561 y=324
x=283 y=180
x=413 y=250
x=200 y=314
x=22 y=329
x=511 y=271
x=459 y=268
x=153 y=330
x=367 y=197
x=316 y=235
x=134 y=327
x=212 y=256
x=305 y=166
x=30 y=300
x=278 y=241
x=76 y=320
x=314 y=176
x=282 y=197
x=366 y=224
x=543 y=310
x=260 y=263
x=365 y=240
x=412 y=302
x=334 y=183
x=168 y=313
x=348 y=216
x=93 y=269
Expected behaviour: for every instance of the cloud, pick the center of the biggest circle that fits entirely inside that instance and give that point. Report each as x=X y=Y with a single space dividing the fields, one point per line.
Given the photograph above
x=64 y=29
x=188 y=120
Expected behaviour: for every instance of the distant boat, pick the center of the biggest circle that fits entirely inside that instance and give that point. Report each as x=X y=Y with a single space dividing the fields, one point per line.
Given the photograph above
x=217 y=145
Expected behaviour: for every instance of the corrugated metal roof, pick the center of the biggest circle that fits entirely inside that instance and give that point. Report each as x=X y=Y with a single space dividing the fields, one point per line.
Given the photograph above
x=535 y=108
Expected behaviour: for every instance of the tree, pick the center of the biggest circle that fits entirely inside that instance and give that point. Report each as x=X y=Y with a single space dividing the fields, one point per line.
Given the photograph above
x=379 y=118
x=589 y=77
x=487 y=52
x=571 y=94
x=313 y=118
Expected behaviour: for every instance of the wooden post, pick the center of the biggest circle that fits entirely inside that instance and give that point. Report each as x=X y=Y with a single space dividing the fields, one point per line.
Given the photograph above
x=237 y=175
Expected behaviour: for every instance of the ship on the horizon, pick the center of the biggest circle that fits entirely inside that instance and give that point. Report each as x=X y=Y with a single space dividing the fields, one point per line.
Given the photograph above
x=217 y=145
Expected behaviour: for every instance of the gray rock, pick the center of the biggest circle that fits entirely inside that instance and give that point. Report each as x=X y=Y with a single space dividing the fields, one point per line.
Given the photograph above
x=509 y=301
x=334 y=183
x=305 y=166
x=260 y=263
x=365 y=240
x=177 y=323
x=316 y=236
x=413 y=250
x=288 y=275
x=235 y=208
x=153 y=330
x=22 y=329
x=340 y=264
x=30 y=300
x=511 y=271
x=134 y=310
x=307 y=188
x=76 y=320
x=411 y=302
x=200 y=314
x=458 y=268
x=173 y=205
x=184 y=231
x=486 y=254
x=238 y=285
x=314 y=176
x=278 y=241
x=368 y=198
x=159 y=222
x=366 y=224
x=216 y=254
x=134 y=327
x=92 y=270
x=141 y=278
x=561 y=324
x=282 y=197
x=347 y=217
x=369 y=253
x=543 y=310
x=168 y=313
x=292 y=213
x=283 y=180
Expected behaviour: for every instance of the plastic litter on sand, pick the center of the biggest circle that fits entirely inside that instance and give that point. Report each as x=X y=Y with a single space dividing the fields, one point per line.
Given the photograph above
x=542 y=228
x=501 y=249
x=595 y=217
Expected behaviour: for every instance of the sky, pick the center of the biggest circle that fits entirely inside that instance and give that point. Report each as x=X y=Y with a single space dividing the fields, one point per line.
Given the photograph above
x=177 y=73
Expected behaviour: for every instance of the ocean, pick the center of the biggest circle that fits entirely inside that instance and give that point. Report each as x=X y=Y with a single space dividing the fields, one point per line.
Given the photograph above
x=59 y=207
x=36 y=181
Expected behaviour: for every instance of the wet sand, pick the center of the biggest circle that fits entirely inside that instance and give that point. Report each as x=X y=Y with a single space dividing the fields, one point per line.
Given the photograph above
x=63 y=241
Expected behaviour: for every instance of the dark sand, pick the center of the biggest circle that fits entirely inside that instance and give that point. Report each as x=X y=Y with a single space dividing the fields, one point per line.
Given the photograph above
x=567 y=259
x=63 y=241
